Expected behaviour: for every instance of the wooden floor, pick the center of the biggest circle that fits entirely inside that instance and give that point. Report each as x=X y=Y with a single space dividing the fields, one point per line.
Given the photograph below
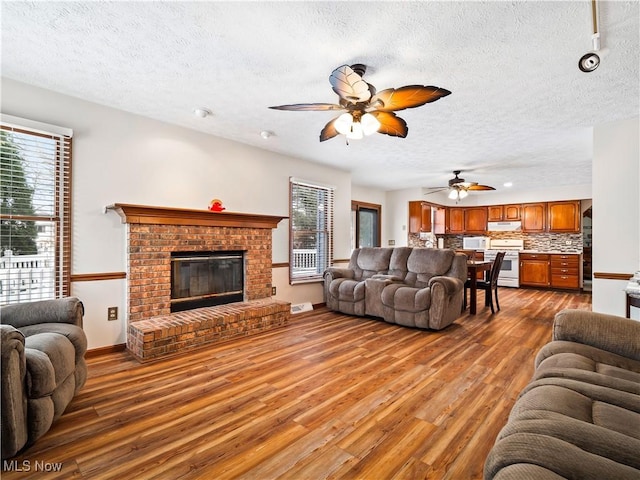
x=329 y=396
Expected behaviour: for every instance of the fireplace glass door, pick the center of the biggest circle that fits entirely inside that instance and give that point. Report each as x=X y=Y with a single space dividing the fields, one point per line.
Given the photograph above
x=200 y=279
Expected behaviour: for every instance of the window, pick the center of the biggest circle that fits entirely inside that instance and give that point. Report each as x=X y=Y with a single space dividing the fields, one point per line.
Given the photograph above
x=35 y=210
x=365 y=224
x=310 y=230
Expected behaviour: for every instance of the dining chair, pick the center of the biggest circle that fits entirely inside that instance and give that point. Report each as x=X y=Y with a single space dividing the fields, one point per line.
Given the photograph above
x=490 y=286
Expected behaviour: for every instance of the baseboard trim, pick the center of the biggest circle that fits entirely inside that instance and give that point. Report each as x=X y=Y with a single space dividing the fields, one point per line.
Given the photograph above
x=96 y=352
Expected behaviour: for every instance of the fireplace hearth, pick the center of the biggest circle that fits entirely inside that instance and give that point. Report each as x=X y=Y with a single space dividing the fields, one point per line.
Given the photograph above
x=153 y=235
x=205 y=279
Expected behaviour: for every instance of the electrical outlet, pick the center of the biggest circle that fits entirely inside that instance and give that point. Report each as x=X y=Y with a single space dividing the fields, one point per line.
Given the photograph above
x=112 y=313
x=392 y=243
x=273 y=290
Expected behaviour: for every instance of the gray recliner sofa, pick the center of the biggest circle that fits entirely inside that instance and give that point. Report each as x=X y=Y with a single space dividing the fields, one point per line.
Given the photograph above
x=43 y=367
x=579 y=417
x=414 y=287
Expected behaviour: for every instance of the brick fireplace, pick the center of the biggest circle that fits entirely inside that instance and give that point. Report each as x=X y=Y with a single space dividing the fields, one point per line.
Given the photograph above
x=155 y=233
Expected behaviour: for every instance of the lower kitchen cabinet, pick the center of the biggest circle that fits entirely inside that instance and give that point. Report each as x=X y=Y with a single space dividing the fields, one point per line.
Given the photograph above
x=555 y=270
x=565 y=271
x=534 y=270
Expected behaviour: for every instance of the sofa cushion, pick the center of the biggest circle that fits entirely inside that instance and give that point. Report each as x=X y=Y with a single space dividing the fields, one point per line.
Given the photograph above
x=589 y=353
x=425 y=263
x=348 y=290
x=398 y=262
x=50 y=360
x=407 y=299
x=578 y=367
x=574 y=417
x=370 y=261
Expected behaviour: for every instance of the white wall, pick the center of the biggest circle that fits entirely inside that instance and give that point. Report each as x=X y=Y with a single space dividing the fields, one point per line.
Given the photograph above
x=616 y=211
x=396 y=215
x=125 y=158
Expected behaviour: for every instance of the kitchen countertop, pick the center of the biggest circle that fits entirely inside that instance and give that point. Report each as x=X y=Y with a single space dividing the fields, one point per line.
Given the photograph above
x=550 y=252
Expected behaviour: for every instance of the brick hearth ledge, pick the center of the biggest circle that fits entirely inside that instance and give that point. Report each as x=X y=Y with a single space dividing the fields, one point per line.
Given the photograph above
x=179 y=332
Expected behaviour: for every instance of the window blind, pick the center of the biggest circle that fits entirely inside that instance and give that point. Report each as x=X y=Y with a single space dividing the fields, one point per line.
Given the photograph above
x=311 y=230
x=35 y=212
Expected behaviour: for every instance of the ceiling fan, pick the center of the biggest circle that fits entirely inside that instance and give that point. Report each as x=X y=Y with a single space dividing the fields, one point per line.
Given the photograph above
x=367 y=111
x=458 y=188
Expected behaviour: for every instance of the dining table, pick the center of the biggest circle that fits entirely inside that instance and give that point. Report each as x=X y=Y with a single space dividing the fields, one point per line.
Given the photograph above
x=473 y=268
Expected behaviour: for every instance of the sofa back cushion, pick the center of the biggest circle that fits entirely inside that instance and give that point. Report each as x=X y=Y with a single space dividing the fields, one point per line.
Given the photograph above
x=425 y=263
x=398 y=262
x=368 y=261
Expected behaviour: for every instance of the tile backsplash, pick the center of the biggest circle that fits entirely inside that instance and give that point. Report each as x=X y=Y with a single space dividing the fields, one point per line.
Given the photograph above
x=543 y=242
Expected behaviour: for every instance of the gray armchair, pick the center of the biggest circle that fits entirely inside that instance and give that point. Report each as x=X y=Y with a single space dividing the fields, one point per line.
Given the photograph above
x=43 y=367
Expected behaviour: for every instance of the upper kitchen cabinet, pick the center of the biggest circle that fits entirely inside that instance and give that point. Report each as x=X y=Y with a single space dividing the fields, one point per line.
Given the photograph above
x=564 y=217
x=419 y=217
x=534 y=217
x=503 y=213
x=475 y=220
x=454 y=220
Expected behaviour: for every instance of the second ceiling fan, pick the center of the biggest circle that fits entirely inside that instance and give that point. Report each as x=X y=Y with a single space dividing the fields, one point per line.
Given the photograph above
x=365 y=110
x=458 y=188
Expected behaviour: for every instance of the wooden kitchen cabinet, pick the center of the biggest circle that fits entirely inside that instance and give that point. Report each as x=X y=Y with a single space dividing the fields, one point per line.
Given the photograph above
x=565 y=270
x=534 y=217
x=503 y=213
x=534 y=270
x=419 y=217
x=475 y=220
x=512 y=213
x=495 y=213
x=454 y=220
x=564 y=217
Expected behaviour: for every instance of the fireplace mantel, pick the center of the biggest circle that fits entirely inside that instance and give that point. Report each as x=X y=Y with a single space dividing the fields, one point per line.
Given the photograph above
x=145 y=214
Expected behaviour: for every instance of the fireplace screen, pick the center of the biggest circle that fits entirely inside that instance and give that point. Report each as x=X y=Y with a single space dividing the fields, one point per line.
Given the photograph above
x=204 y=279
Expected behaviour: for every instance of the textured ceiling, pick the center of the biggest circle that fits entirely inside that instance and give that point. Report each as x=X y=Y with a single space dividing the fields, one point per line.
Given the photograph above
x=520 y=109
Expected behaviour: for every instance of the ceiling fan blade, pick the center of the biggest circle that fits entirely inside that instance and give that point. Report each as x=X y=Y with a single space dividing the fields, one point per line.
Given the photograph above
x=390 y=124
x=304 y=107
x=349 y=85
x=480 y=187
x=436 y=190
x=410 y=96
x=329 y=131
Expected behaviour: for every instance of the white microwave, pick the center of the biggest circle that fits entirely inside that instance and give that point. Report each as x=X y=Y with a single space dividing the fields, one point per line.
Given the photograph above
x=475 y=243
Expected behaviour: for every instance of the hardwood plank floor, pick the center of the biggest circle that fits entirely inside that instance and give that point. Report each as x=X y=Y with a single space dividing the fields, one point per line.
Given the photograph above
x=328 y=397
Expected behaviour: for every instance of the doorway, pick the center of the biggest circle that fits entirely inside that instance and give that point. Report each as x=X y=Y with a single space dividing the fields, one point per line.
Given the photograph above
x=587 y=238
x=365 y=224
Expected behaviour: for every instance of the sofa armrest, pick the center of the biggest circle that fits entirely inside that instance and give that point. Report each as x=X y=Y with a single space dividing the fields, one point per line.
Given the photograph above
x=451 y=285
x=607 y=332
x=61 y=310
x=12 y=385
x=332 y=273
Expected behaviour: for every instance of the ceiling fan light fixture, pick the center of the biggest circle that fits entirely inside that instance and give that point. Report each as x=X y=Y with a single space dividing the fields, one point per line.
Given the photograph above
x=343 y=123
x=370 y=124
x=453 y=194
x=462 y=194
x=356 y=132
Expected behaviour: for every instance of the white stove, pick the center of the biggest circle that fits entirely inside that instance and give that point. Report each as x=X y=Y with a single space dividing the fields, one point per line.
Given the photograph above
x=510 y=271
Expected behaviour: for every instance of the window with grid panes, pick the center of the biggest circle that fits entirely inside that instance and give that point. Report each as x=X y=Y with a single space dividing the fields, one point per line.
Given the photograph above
x=35 y=210
x=310 y=230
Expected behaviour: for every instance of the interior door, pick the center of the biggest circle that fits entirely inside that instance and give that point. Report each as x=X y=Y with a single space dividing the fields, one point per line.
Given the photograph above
x=366 y=231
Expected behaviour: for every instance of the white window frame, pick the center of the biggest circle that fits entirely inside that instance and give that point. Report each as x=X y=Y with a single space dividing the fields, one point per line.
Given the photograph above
x=310 y=256
x=58 y=261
